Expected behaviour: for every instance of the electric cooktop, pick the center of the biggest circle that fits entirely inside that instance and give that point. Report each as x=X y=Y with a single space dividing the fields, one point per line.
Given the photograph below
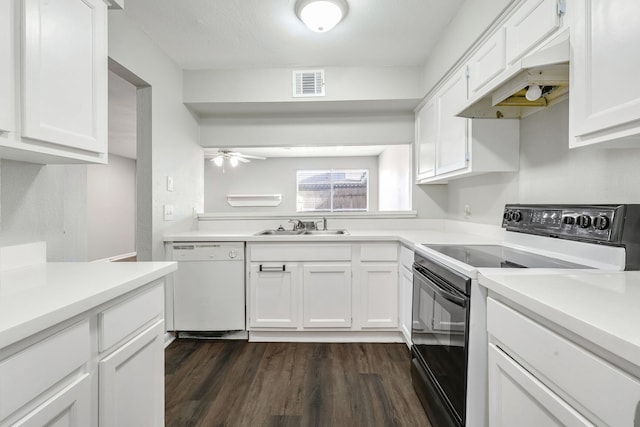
x=497 y=256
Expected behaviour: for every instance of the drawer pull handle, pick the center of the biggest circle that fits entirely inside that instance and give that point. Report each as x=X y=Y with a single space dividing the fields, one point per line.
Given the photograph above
x=272 y=268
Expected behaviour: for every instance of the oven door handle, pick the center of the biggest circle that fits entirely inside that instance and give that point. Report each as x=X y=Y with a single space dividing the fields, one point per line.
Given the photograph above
x=444 y=293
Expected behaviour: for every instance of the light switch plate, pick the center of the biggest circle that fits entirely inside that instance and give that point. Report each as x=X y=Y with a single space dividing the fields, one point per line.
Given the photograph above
x=169 y=183
x=168 y=212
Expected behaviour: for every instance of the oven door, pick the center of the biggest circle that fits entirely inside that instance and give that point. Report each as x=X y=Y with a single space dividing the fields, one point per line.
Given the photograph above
x=440 y=340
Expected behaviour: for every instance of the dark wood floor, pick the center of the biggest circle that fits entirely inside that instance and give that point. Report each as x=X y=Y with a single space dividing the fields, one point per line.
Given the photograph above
x=236 y=383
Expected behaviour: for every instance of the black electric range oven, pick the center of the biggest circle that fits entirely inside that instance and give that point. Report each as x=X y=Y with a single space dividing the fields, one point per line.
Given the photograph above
x=448 y=312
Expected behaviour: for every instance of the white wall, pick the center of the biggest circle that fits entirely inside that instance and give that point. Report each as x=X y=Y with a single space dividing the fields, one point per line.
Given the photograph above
x=275 y=84
x=175 y=148
x=394 y=177
x=295 y=130
x=550 y=173
x=276 y=176
x=111 y=208
x=45 y=203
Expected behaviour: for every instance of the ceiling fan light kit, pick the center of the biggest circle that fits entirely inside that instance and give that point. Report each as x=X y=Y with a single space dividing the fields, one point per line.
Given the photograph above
x=321 y=15
x=221 y=157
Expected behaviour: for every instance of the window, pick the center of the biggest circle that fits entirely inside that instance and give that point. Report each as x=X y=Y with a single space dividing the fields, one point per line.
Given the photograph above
x=333 y=190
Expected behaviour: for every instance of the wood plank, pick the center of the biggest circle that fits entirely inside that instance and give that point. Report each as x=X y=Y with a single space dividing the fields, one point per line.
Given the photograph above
x=237 y=383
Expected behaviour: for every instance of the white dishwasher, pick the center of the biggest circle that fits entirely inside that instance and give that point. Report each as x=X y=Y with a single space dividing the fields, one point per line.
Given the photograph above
x=208 y=287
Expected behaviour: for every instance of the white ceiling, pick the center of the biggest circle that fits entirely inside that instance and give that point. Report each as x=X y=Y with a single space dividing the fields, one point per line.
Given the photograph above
x=201 y=34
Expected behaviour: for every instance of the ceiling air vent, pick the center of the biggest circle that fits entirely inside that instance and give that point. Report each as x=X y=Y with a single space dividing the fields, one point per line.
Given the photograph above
x=308 y=83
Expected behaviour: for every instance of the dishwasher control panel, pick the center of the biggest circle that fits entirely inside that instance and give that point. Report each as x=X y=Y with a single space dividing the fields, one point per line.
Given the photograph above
x=208 y=251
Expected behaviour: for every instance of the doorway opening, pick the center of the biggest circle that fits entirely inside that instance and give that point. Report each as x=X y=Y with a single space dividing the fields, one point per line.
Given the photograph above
x=119 y=193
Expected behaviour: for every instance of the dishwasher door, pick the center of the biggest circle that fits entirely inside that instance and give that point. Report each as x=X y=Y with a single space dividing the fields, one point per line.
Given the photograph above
x=208 y=288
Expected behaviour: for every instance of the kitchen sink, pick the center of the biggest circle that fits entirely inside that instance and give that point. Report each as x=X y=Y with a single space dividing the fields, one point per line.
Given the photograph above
x=326 y=232
x=279 y=232
x=301 y=232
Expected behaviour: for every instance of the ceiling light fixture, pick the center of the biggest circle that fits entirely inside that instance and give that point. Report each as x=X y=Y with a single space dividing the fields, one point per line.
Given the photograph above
x=321 y=15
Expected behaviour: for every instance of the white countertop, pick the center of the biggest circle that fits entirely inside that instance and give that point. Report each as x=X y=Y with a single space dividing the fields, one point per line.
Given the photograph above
x=407 y=237
x=601 y=307
x=36 y=297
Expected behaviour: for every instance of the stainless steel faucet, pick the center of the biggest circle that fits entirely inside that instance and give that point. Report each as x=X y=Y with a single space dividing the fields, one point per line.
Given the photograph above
x=324 y=224
x=297 y=224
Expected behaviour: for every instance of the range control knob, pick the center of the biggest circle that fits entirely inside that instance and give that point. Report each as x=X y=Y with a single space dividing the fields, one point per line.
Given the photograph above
x=583 y=221
x=601 y=222
x=516 y=216
x=569 y=220
x=507 y=215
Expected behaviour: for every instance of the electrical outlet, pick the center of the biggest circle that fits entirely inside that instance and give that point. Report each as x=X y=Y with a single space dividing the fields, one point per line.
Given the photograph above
x=169 y=183
x=467 y=211
x=168 y=212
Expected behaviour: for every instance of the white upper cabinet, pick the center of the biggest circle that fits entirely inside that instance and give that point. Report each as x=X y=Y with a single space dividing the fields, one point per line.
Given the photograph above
x=605 y=95
x=6 y=68
x=65 y=73
x=532 y=23
x=426 y=129
x=451 y=145
x=463 y=147
x=487 y=62
x=53 y=81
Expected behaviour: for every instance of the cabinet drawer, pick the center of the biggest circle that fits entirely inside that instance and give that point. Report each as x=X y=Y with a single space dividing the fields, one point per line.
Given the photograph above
x=601 y=392
x=301 y=252
x=379 y=252
x=27 y=374
x=406 y=257
x=120 y=321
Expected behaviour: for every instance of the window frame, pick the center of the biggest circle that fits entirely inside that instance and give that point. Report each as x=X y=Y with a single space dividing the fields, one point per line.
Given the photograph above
x=332 y=172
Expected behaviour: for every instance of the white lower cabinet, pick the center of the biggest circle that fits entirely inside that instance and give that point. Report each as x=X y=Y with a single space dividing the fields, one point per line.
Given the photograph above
x=406 y=299
x=518 y=398
x=540 y=378
x=326 y=295
x=273 y=290
x=379 y=290
x=132 y=381
x=323 y=288
x=71 y=407
x=105 y=367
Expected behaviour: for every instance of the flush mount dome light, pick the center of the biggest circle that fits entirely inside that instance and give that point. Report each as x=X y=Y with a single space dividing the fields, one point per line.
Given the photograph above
x=321 y=15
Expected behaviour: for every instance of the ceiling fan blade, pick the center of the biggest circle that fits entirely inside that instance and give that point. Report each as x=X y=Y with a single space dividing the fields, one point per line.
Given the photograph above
x=248 y=156
x=242 y=159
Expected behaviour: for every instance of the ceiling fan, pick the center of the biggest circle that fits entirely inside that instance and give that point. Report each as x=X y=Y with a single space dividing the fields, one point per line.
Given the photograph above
x=232 y=157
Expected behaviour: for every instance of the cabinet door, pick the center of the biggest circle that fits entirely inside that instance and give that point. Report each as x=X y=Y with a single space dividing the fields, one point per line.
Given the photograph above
x=379 y=293
x=273 y=295
x=487 y=62
x=71 y=407
x=6 y=66
x=406 y=300
x=451 y=145
x=530 y=25
x=132 y=382
x=605 y=95
x=426 y=130
x=326 y=295
x=64 y=69
x=516 y=398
